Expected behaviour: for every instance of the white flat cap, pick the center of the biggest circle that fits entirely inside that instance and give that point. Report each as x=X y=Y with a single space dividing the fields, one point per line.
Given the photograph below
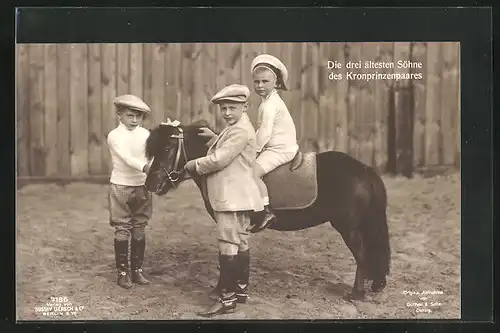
x=234 y=92
x=275 y=63
x=132 y=102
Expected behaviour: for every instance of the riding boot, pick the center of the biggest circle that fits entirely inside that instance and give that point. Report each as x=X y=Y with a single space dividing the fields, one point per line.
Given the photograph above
x=136 y=259
x=121 y=257
x=214 y=294
x=243 y=276
x=226 y=302
x=267 y=219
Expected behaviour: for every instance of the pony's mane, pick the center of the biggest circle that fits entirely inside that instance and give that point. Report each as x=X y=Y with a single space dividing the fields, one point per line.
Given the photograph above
x=161 y=133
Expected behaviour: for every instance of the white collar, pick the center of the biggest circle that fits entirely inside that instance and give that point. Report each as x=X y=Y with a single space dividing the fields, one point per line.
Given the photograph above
x=268 y=96
x=123 y=127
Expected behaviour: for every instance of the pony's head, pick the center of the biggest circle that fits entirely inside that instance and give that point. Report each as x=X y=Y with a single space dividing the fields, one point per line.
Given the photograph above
x=171 y=145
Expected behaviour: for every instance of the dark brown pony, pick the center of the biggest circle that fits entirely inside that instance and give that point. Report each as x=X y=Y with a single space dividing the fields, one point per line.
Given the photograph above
x=351 y=196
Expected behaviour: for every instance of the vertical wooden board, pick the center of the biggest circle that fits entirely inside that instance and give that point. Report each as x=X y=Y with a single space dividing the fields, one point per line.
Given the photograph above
x=210 y=80
x=186 y=81
x=96 y=137
x=135 y=69
x=419 y=86
x=330 y=92
x=23 y=109
x=63 y=109
x=317 y=134
x=326 y=141
x=308 y=122
x=172 y=77
x=294 y=88
x=273 y=49
x=79 y=110
x=37 y=110
x=404 y=110
x=326 y=93
x=233 y=63
x=404 y=133
x=199 y=106
x=172 y=80
x=265 y=47
x=352 y=117
x=243 y=70
x=367 y=100
x=354 y=114
x=381 y=106
x=248 y=54
x=365 y=112
x=50 y=115
x=220 y=51
x=300 y=124
x=147 y=80
x=339 y=52
x=308 y=114
x=449 y=107
x=123 y=78
x=432 y=104
x=108 y=94
x=157 y=84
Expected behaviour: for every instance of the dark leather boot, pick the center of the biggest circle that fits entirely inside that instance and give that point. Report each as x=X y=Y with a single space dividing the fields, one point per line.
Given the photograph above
x=121 y=257
x=243 y=276
x=214 y=294
x=136 y=260
x=267 y=219
x=226 y=303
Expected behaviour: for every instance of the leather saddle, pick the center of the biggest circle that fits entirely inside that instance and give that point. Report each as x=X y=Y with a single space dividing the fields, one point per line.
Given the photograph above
x=293 y=185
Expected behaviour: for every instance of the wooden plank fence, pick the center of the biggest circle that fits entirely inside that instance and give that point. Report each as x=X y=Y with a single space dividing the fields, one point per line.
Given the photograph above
x=65 y=94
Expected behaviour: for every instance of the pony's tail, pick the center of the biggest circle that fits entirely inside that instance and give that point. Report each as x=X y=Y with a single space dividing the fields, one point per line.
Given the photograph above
x=376 y=234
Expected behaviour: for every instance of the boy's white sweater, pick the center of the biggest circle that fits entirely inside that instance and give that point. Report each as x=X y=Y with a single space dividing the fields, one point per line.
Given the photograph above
x=127 y=149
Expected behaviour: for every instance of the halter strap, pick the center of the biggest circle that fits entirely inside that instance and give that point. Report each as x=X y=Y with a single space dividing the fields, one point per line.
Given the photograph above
x=173 y=175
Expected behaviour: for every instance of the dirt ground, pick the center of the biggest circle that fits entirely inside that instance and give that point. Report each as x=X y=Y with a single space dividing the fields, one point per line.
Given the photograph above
x=65 y=249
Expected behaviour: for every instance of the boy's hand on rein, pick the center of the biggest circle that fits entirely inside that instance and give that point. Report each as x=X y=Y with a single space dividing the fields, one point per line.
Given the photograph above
x=190 y=166
x=146 y=168
x=205 y=132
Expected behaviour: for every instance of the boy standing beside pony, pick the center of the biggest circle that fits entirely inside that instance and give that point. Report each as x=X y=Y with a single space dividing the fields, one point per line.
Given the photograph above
x=232 y=193
x=130 y=204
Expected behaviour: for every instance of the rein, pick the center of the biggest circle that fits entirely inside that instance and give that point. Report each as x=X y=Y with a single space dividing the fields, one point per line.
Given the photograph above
x=174 y=175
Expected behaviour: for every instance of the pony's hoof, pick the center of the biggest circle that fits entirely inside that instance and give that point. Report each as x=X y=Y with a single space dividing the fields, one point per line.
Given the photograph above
x=355 y=296
x=378 y=286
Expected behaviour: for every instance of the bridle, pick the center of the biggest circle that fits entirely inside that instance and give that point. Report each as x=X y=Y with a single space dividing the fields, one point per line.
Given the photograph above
x=174 y=174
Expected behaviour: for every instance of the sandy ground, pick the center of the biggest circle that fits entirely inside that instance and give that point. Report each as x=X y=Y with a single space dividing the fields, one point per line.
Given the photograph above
x=64 y=249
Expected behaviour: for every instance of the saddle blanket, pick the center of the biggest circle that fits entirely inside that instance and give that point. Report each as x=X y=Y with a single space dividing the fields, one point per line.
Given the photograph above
x=293 y=189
